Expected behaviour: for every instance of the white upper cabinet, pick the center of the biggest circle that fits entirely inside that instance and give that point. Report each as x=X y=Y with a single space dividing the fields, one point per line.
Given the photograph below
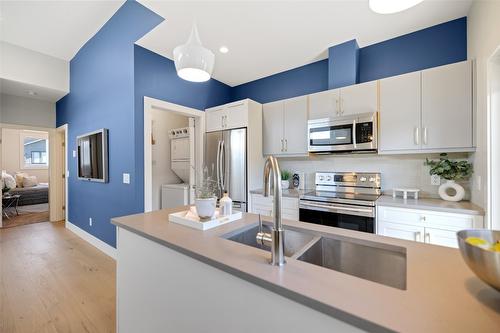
x=447 y=106
x=232 y=115
x=214 y=119
x=400 y=113
x=324 y=104
x=285 y=127
x=272 y=128
x=427 y=111
x=358 y=98
x=295 y=126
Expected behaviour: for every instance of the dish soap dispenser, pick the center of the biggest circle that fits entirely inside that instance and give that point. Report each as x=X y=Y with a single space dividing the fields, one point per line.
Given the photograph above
x=225 y=205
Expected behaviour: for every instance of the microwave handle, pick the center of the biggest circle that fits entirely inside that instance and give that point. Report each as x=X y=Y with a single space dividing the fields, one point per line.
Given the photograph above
x=354 y=133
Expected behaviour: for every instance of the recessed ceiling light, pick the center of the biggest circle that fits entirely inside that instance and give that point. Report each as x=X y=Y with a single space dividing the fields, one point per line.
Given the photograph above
x=392 y=6
x=31 y=92
x=223 y=49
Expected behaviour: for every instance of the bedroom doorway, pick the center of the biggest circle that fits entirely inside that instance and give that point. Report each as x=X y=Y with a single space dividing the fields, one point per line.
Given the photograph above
x=25 y=175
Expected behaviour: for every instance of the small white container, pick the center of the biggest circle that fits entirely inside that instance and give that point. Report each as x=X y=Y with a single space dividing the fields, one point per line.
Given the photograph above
x=226 y=205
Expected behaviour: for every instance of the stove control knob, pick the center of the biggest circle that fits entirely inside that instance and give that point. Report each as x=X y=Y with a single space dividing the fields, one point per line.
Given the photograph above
x=372 y=179
x=329 y=178
x=321 y=178
x=362 y=179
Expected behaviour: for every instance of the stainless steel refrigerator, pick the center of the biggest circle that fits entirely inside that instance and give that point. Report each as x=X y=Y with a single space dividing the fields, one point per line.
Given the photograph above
x=226 y=154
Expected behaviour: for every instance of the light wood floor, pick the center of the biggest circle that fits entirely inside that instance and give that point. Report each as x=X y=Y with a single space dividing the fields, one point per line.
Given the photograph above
x=53 y=281
x=25 y=218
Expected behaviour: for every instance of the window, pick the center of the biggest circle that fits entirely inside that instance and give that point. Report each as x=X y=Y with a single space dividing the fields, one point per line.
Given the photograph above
x=34 y=150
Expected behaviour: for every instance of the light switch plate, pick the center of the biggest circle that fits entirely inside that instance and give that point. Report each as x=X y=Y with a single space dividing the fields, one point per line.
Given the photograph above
x=126 y=178
x=435 y=180
x=74 y=153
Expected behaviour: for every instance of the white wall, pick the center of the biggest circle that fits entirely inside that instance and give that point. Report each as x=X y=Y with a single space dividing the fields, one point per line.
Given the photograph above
x=163 y=121
x=397 y=171
x=27 y=66
x=11 y=155
x=27 y=111
x=483 y=36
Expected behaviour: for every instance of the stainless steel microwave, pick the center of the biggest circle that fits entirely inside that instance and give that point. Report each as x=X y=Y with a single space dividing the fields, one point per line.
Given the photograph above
x=353 y=133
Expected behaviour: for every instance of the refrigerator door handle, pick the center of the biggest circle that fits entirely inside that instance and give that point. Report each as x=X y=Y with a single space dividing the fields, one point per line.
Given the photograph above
x=221 y=163
x=218 y=164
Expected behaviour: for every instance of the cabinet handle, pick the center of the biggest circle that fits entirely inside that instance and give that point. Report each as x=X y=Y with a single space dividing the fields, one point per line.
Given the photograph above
x=286 y=145
x=337 y=109
x=282 y=146
x=427 y=237
x=423 y=218
x=341 y=106
x=222 y=121
x=416 y=135
x=425 y=136
x=418 y=236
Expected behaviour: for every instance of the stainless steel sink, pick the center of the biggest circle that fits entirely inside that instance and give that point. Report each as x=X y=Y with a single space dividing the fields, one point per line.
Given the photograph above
x=294 y=240
x=385 y=264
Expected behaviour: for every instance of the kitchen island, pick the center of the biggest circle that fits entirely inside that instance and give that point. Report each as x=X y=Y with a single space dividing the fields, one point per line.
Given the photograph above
x=172 y=278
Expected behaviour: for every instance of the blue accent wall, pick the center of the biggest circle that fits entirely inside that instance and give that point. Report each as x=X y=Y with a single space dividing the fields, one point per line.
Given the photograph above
x=155 y=76
x=343 y=61
x=102 y=96
x=438 y=45
x=299 y=81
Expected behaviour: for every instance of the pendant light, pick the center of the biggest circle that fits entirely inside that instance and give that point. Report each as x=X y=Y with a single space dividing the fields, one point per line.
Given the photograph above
x=194 y=62
x=392 y=6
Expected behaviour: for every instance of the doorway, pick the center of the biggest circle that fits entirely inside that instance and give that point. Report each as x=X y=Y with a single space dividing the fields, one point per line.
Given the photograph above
x=494 y=140
x=170 y=159
x=59 y=174
x=25 y=174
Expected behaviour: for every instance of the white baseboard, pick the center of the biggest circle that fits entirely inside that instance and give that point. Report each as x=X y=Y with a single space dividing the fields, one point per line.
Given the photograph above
x=104 y=247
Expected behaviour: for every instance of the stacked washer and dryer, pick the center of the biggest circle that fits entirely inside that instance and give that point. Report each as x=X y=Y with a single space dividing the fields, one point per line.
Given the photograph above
x=175 y=195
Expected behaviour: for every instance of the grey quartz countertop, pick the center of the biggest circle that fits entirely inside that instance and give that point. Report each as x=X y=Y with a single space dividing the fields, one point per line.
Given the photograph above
x=461 y=207
x=441 y=295
x=290 y=193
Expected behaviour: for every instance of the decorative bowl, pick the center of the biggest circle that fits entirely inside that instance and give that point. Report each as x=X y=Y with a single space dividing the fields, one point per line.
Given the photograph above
x=484 y=263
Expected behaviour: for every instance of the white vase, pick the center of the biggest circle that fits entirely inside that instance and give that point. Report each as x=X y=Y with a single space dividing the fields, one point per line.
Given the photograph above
x=285 y=184
x=205 y=208
x=451 y=186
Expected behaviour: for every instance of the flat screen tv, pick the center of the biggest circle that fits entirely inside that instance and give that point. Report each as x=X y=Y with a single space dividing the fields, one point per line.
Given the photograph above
x=93 y=156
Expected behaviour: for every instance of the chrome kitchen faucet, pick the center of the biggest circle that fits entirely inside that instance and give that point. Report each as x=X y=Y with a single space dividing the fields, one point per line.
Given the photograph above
x=275 y=239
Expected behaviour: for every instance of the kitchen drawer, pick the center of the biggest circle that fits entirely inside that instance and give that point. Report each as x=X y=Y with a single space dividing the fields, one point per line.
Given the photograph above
x=450 y=221
x=260 y=200
x=399 y=215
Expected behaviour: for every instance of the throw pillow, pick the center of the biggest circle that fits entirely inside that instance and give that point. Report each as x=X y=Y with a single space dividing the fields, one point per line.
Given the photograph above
x=19 y=178
x=8 y=181
x=30 y=181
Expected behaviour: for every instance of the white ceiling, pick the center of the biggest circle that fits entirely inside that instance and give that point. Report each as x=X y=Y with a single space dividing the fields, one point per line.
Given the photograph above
x=21 y=89
x=266 y=37
x=55 y=28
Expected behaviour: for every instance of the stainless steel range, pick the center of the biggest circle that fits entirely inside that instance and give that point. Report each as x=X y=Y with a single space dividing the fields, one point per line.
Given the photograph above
x=342 y=199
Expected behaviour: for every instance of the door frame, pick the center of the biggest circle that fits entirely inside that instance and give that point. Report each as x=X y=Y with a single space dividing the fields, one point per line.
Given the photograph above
x=199 y=115
x=64 y=129
x=51 y=131
x=493 y=140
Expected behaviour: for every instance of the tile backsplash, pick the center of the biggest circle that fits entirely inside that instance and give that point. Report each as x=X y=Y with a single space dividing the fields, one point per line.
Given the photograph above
x=396 y=170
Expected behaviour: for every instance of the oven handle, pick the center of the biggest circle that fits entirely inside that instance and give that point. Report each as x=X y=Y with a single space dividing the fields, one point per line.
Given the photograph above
x=354 y=133
x=334 y=208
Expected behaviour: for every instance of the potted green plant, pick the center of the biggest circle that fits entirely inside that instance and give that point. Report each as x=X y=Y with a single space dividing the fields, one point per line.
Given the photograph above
x=206 y=195
x=285 y=179
x=451 y=171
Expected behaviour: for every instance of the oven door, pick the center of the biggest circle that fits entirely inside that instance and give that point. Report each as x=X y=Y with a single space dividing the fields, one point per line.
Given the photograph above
x=330 y=136
x=359 y=218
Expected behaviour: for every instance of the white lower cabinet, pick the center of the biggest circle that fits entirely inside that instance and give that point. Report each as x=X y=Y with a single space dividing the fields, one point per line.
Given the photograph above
x=264 y=206
x=424 y=226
